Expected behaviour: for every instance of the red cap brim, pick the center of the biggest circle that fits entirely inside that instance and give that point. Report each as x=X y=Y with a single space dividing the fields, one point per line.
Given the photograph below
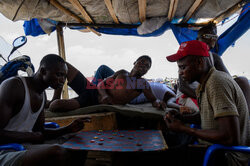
x=174 y=57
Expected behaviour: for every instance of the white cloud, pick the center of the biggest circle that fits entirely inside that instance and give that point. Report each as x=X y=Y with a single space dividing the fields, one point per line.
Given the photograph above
x=79 y=50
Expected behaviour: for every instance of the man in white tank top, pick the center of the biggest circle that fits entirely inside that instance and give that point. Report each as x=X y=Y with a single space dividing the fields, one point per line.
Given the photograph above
x=22 y=117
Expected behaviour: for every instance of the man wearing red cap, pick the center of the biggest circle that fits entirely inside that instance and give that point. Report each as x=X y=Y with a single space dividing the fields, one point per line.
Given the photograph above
x=224 y=115
x=208 y=34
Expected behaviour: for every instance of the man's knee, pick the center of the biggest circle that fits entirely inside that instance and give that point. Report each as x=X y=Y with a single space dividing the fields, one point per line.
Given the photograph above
x=103 y=68
x=62 y=155
x=58 y=153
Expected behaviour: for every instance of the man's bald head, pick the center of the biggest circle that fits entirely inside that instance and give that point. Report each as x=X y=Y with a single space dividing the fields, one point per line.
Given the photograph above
x=51 y=60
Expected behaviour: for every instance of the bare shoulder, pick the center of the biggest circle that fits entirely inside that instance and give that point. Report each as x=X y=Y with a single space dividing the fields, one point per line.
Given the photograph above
x=121 y=72
x=12 y=87
x=11 y=98
x=11 y=83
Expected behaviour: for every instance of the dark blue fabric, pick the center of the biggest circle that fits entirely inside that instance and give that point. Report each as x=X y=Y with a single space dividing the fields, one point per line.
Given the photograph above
x=183 y=34
x=32 y=28
x=102 y=72
x=11 y=68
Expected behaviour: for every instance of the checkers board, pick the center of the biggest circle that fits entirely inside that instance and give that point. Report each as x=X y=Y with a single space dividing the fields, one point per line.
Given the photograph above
x=118 y=141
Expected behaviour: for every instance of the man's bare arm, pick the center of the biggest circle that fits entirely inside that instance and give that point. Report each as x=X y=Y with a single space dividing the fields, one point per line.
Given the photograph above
x=171 y=103
x=228 y=132
x=186 y=89
x=151 y=97
x=75 y=126
x=11 y=100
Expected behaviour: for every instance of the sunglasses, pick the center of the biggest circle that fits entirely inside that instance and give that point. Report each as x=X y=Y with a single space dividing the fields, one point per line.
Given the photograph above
x=209 y=36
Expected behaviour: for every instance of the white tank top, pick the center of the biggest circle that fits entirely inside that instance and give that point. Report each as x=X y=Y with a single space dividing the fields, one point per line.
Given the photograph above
x=25 y=120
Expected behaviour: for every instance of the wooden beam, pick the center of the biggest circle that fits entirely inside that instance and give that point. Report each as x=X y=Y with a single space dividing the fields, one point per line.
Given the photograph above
x=142 y=9
x=127 y=26
x=229 y=12
x=61 y=50
x=191 y=11
x=80 y=8
x=172 y=9
x=66 y=11
x=111 y=10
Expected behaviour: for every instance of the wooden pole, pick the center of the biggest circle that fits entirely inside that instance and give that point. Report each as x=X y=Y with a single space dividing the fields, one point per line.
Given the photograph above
x=61 y=50
x=56 y=4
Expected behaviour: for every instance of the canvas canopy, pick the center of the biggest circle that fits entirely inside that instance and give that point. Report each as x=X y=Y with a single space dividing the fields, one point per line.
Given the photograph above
x=130 y=17
x=125 y=11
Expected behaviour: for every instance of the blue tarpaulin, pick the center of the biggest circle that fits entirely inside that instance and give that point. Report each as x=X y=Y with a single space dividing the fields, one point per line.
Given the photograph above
x=235 y=31
x=32 y=28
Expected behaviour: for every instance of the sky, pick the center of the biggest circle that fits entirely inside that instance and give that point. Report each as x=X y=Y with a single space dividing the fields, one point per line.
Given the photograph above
x=87 y=51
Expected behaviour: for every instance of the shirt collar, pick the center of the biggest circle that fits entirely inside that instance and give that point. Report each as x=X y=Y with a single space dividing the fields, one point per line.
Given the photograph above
x=201 y=87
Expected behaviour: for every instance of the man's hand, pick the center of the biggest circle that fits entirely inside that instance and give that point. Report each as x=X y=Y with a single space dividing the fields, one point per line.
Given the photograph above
x=173 y=123
x=107 y=100
x=161 y=105
x=78 y=124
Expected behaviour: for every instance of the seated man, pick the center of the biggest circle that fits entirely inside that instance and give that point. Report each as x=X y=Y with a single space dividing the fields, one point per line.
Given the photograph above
x=224 y=113
x=120 y=88
x=22 y=101
x=208 y=34
x=161 y=91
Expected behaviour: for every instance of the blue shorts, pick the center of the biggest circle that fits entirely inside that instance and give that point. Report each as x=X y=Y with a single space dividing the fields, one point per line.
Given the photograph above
x=86 y=96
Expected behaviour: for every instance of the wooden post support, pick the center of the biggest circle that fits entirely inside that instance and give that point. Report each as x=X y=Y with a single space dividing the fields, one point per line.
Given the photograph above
x=61 y=50
x=142 y=5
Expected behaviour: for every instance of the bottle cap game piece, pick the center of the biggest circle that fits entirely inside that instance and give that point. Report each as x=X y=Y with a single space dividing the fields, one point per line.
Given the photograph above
x=92 y=141
x=101 y=139
x=95 y=137
x=100 y=143
x=110 y=137
x=99 y=133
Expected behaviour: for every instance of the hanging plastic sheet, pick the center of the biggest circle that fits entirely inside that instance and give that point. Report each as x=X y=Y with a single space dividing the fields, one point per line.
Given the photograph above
x=233 y=33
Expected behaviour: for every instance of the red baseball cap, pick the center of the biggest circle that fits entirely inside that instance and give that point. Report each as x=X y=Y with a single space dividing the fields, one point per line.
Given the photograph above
x=193 y=47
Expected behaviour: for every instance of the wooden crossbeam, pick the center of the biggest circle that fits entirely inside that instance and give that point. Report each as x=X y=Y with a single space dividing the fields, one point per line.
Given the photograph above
x=172 y=9
x=111 y=11
x=80 y=8
x=229 y=12
x=66 y=11
x=142 y=9
x=191 y=11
